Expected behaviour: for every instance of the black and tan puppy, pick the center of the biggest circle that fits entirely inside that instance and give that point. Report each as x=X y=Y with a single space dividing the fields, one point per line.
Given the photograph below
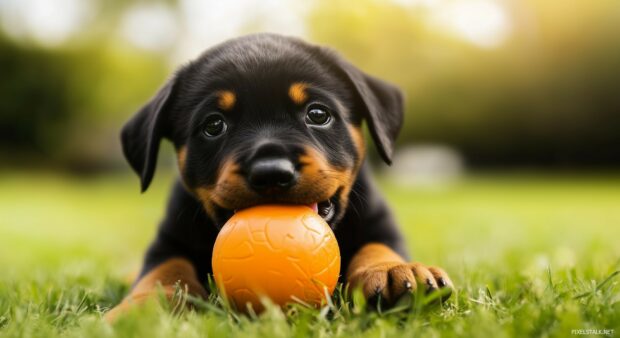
x=271 y=119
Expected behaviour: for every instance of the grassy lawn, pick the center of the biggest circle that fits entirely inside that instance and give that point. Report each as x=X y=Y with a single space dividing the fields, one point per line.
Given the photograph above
x=530 y=255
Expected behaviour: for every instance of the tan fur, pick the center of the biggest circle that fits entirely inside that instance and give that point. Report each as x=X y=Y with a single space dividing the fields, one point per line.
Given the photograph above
x=205 y=195
x=317 y=171
x=358 y=141
x=318 y=181
x=378 y=270
x=229 y=184
x=164 y=278
x=226 y=99
x=371 y=255
x=360 y=146
x=297 y=92
x=181 y=157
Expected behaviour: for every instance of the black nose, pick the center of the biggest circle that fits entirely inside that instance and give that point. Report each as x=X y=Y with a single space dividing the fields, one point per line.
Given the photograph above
x=269 y=173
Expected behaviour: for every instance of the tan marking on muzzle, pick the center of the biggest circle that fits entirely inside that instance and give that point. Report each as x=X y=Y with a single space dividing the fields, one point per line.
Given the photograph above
x=319 y=172
x=318 y=181
x=228 y=180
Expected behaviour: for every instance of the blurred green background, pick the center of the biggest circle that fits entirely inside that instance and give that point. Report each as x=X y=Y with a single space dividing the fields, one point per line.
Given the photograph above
x=506 y=172
x=504 y=83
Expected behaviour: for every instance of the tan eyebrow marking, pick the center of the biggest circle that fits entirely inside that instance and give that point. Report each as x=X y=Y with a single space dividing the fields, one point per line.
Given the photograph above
x=226 y=99
x=297 y=92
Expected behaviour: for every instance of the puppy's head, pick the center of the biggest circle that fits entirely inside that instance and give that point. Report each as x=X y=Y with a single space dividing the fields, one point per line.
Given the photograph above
x=266 y=119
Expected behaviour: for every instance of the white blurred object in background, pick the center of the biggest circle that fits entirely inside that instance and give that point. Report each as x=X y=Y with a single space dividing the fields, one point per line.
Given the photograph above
x=428 y=165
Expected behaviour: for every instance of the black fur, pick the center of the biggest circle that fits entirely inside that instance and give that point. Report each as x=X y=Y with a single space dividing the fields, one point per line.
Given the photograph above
x=259 y=69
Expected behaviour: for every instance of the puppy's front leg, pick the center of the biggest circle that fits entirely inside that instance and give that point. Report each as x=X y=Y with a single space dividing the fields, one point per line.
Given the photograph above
x=380 y=271
x=164 y=277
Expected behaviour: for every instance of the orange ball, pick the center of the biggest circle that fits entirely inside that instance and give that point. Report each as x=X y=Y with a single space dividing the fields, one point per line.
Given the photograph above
x=278 y=251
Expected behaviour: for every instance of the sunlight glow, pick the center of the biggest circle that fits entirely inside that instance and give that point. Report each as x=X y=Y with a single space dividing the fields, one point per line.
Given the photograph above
x=481 y=22
x=207 y=22
x=150 y=26
x=49 y=23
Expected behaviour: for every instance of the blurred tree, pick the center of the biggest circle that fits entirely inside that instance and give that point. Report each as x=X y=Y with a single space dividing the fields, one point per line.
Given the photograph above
x=34 y=100
x=547 y=95
x=66 y=105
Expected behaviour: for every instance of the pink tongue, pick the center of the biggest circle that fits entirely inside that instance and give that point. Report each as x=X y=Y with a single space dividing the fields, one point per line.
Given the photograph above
x=314 y=207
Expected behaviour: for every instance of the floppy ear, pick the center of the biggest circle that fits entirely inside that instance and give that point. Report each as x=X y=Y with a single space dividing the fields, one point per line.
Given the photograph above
x=142 y=134
x=382 y=104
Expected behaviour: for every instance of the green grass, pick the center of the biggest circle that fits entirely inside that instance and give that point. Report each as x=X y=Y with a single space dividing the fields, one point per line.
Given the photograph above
x=530 y=255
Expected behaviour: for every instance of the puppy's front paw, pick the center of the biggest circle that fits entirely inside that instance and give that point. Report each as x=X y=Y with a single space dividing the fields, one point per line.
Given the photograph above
x=390 y=281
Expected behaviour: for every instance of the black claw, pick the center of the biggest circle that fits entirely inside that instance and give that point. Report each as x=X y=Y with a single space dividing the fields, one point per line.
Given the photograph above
x=441 y=282
x=377 y=301
x=430 y=286
x=373 y=301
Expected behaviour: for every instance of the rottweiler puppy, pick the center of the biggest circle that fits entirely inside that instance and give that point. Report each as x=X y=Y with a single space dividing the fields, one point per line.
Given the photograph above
x=272 y=119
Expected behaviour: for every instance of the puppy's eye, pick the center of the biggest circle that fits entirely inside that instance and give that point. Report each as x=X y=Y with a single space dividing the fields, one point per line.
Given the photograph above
x=214 y=126
x=318 y=115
